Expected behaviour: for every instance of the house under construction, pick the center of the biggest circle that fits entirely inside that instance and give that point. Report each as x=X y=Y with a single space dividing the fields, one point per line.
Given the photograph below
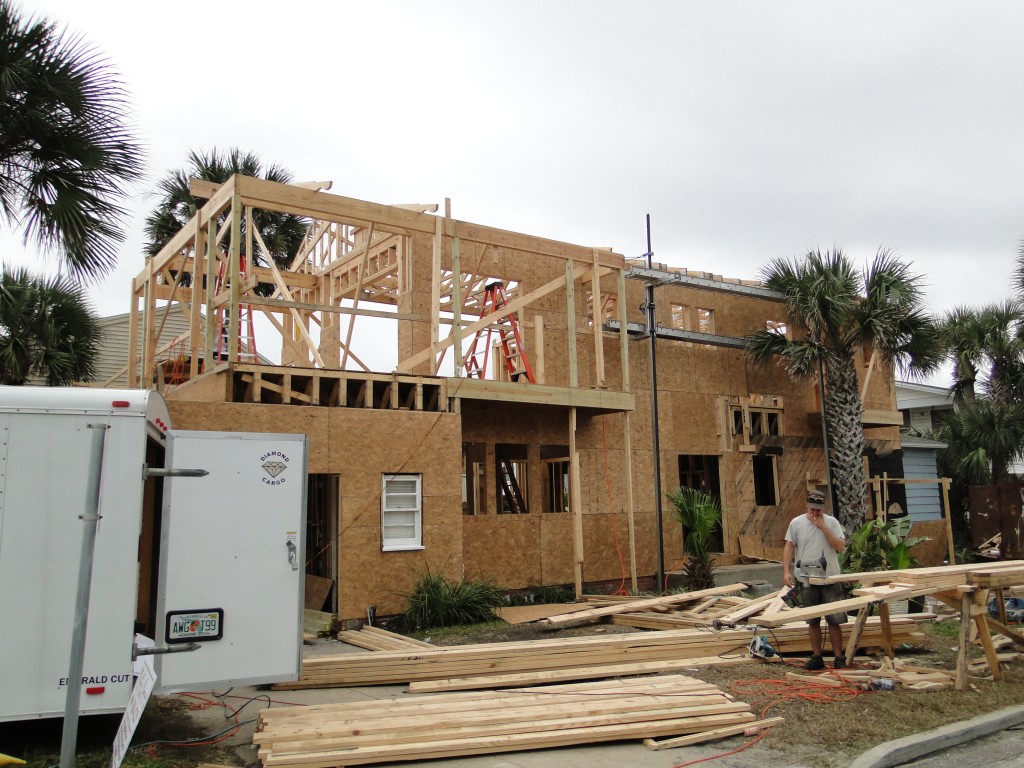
x=513 y=440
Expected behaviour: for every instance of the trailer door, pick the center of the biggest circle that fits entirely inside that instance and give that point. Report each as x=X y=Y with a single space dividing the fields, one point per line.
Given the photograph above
x=232 y=560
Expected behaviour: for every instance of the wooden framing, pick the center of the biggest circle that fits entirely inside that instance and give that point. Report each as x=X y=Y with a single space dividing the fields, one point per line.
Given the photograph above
x=424 y=273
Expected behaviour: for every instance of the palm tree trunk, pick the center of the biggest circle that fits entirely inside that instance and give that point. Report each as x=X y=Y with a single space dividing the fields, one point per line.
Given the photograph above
x=843 y=410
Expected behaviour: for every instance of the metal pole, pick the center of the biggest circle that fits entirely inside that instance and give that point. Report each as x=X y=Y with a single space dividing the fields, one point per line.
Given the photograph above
x=651 y=332
x=90 y=519
x=824 y=435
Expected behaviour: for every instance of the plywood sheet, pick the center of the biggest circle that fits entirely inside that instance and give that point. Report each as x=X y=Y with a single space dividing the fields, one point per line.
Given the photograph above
x=522 y=614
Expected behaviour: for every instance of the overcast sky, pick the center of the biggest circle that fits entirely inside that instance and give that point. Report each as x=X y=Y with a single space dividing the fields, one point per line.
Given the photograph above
x=748 y=130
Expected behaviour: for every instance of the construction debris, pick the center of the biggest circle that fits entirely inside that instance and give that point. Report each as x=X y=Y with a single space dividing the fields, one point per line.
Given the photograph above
x=489 y=722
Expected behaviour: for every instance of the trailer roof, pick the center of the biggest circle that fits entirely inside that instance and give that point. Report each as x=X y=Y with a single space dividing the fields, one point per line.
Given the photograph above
x=126 y=402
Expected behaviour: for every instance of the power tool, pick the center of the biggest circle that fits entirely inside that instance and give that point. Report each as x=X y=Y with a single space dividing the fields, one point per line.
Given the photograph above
x=760 y=648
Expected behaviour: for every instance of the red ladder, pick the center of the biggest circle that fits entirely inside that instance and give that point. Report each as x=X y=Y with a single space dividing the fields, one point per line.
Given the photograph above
x=246 y=343
x=509 y=340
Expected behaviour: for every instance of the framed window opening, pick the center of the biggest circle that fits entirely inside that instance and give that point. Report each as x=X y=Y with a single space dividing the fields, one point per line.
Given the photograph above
x=701 y=473
x=401 y=512
x=474 y=478
x=513 y=478
x=556 y=477
x=766 y=480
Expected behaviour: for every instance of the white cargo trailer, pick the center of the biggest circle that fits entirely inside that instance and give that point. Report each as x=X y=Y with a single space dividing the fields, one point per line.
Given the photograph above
x=215 y=561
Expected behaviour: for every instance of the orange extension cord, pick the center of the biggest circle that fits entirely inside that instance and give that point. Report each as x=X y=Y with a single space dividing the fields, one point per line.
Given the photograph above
x=782 y=691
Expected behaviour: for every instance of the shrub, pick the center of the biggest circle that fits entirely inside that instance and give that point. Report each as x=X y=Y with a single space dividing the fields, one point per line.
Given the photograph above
x=698 y=513
x=438 y=602
x=878 y=546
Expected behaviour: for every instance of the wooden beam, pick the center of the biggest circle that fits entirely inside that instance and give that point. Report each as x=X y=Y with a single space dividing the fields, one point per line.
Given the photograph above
x=514 y=392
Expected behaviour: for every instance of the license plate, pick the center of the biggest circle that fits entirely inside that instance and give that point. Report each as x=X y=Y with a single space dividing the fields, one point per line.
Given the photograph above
x=195 y=626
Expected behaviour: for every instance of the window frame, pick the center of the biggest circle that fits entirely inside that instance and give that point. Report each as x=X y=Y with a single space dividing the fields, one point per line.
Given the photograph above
x=399 y=544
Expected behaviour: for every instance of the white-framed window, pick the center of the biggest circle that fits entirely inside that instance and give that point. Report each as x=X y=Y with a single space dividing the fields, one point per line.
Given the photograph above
x=401 y=512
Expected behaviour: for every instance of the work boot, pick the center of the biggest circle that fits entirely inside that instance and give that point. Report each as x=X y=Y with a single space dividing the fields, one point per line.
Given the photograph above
x=815 y=662
x=839 y=662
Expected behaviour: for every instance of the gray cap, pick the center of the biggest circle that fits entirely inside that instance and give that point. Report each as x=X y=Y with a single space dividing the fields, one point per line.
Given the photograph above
x=815 y=499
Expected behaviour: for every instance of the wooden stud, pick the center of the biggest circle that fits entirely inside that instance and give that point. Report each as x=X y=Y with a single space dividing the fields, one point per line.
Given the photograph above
x=456 y=304
x=965 y=641
x=597 y=311
x=538 y=345
x=883 y=614
x=576 y=504
x=570 y=321
x=627 y=469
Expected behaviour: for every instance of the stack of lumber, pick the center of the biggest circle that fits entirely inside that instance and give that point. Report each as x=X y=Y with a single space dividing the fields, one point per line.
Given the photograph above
x=577 y=658
x=489 y=722
x=376 y=639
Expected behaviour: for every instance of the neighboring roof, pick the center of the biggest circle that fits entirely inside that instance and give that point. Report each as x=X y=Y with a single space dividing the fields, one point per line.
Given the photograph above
x=912 y=395
x=913 y=441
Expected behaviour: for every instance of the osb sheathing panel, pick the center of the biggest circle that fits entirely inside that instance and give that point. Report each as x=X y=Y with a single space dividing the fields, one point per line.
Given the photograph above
x=211 y=388
x=367 y=576
x=504 y=549
x=556 y=553
x=800 y=458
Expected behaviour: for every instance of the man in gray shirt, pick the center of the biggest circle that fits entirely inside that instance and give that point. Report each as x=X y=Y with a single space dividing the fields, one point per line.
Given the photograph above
x=813 y=543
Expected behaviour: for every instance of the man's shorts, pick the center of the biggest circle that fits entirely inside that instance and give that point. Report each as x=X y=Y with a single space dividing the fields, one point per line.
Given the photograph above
x=819 y=594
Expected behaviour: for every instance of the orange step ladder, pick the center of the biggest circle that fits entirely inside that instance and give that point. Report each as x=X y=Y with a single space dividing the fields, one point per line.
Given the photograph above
x=509 y=340
x=242 y=324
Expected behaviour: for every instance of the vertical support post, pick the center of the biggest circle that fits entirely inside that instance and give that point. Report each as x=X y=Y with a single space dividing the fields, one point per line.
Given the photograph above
x=132 y=377
x=235 y=266
x=576 y=504
x=196 y=297
x=655 y=436
x=979 y=613
x=149 y=322
x=210 y=291
x=457 y=305
x=623 y=331
x=437 y=253
x=598 y=315
x=965 y=640
x=538 y=348
x=570 y=322
x=883 y=615
x=90 y=520
x=627 y=447
x=858 y=629
x=949 y=520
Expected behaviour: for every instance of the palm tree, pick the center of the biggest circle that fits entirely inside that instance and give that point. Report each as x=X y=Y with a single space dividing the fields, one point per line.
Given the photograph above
x=46 y=329
x=962 y=333
x=840 y=310
x=283 y=233
x=66 y=155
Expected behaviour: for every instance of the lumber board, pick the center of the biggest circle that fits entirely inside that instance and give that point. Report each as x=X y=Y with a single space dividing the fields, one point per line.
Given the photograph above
x=940 y=573
x=558 y=675
x=713 y=735
x=639 y=605
x=841 y=606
